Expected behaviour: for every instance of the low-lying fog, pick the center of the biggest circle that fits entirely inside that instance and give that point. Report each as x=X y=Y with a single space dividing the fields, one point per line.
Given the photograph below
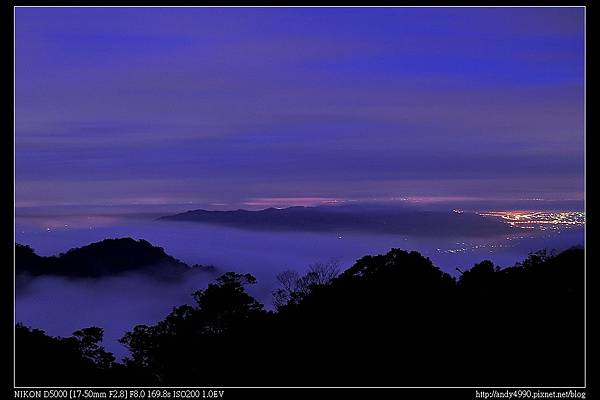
x=60 y=306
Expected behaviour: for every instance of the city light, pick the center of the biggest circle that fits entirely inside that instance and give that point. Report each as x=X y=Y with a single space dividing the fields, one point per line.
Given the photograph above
x=539 y=219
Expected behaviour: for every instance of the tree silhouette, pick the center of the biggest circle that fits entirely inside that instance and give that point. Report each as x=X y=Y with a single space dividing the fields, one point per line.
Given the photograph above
x=294 y=287
x=88 y=340
x=391 y=319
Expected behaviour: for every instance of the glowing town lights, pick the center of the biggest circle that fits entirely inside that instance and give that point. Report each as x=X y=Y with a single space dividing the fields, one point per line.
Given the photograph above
x=539 y=219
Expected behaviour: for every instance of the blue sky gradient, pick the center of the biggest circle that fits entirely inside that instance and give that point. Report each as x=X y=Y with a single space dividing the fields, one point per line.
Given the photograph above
x=229 y=105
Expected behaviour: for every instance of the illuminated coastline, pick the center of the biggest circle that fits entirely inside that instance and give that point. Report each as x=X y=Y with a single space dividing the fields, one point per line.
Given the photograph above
x=539 y=219
x=532 y=223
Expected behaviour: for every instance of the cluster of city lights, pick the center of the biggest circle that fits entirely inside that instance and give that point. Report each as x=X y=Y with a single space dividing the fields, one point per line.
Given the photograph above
x=539 y=219
x=468 y=247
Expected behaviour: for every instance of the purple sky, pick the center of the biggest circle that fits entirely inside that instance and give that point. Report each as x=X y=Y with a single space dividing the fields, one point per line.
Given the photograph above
x=119 y=106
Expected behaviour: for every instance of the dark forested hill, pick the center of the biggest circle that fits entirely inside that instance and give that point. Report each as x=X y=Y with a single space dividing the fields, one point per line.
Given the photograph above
x=389 y=320
x=108 y=257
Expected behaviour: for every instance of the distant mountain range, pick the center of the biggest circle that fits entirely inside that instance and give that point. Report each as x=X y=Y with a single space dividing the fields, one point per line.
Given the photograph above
x=352 y=219
x=105 y=258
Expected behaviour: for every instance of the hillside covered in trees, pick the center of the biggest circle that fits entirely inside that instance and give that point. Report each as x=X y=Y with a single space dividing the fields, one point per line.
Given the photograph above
x=389 y=320
x=105 y=258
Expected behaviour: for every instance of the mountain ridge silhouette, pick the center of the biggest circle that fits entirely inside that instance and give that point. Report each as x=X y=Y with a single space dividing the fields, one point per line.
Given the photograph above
x=352 y=218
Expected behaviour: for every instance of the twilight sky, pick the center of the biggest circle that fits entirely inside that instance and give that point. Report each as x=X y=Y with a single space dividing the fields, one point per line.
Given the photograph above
x=275 y=106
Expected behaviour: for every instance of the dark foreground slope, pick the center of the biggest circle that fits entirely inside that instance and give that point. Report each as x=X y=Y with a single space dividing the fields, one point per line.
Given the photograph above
x=353 y=219
x=389 y=320
x=41 y=360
